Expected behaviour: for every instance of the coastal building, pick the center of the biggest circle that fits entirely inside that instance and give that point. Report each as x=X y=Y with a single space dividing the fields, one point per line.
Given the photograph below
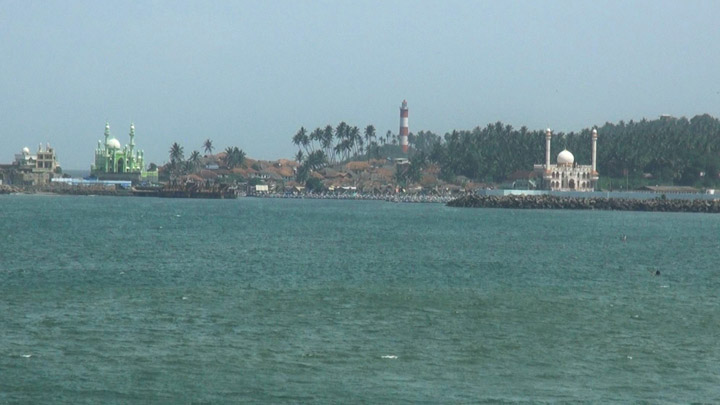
x=116 y=162
x=31 y=170
x=566 y=175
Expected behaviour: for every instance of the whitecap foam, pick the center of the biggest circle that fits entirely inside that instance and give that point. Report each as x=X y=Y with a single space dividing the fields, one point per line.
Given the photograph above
x=388 y=356
x=27 y=356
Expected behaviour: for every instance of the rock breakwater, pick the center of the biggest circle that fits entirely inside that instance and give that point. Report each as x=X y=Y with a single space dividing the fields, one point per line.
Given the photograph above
x=5 y=189
x=593 y=203
x=397 y=198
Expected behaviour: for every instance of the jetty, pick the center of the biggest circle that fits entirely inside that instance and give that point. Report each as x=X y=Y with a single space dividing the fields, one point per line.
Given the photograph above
x=187 y=191
x=590 y=203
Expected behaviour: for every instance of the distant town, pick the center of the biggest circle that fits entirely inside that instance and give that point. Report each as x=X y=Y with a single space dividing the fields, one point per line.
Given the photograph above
x=665 y=155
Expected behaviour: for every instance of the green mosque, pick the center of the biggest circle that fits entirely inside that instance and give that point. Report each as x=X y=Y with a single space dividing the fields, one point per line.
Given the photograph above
x=116 y=162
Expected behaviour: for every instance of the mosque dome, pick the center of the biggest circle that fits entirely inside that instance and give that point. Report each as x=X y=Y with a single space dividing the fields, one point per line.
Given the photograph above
x=113 y=143
x=565 y=158
x=26 y=151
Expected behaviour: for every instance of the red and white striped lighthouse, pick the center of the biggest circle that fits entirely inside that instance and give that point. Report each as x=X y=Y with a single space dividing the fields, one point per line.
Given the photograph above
x=404 y=126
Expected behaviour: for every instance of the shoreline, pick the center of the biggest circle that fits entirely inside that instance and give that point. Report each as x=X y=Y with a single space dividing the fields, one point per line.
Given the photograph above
x=101 y=191
x=513 y=201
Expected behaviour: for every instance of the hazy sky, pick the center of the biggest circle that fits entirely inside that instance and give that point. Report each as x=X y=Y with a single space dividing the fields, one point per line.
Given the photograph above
x=249 y=74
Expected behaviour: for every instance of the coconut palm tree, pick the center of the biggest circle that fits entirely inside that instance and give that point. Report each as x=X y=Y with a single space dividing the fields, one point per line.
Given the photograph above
x=301 y=138
x=234 y=157
x=374 y=150
x=208 y=146
x=327 y=142
x=229 y=159
x=316 y=160
x=355 y=140
x=240 y=156
x=345 y=148
x=341 y=134
x=316 y=136
x=187 y=167
x=176 y=153
x=369 y=136
x=195 y=160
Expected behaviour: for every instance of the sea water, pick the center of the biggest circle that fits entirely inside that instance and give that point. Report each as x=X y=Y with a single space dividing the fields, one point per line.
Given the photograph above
x=131 y=300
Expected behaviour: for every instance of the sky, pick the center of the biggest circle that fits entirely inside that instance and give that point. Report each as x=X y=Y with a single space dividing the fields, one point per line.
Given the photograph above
x=251 y=73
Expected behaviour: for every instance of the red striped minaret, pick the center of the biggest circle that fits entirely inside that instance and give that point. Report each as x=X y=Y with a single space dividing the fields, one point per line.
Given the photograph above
x=404 y=126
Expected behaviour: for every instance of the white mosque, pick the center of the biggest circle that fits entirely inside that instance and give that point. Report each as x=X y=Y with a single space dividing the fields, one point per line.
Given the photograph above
x=566 y=175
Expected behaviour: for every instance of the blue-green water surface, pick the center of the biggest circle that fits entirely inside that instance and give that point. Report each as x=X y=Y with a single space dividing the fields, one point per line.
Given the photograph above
x=131 y=300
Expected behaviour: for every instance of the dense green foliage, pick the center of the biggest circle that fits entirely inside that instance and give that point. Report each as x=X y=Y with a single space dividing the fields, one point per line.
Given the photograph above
x=666 y=150
x=234 y=157
x=178 y=166
x=330 y=145
x=313 y=184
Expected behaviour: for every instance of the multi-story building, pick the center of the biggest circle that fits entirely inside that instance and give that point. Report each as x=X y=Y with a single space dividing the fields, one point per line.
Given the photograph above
x=31 y=170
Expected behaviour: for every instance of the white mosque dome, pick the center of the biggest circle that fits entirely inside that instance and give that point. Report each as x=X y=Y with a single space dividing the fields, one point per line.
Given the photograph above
x=26 y=151
x=113 y=143
x=565 y=158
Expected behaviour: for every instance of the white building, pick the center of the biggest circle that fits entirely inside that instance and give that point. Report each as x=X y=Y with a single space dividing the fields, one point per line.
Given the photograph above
x=43 y=161
x=566 y=175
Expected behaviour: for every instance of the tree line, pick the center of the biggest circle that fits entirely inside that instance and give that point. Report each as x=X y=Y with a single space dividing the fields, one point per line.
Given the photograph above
x=178 y=165
x=665 y=150
x=331 y=145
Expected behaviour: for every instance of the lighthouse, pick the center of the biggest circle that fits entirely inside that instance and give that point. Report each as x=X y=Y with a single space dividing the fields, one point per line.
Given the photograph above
x=404 y=126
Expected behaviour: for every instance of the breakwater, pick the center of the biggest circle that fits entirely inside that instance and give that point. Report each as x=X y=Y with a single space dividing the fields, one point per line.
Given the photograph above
x=396 y=198
x=592 y=203
x=5 y=189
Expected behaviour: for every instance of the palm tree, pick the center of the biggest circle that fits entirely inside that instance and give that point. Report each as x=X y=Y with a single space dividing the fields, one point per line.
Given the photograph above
x=337 y=150
x=346 y=148
x=229 y=158
x=301 y=138
x=208 y=146
x=327 y=141
x=240 y=156
x=373 y=150
x=176 y=153
x=341 y=134
x=234 y=157
x=303 y=173
x=369 y=135
x=355 y=140
x=194 y=160
x=316 y=160
x=316 y=136
x=299 y=156
x=187 y=167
